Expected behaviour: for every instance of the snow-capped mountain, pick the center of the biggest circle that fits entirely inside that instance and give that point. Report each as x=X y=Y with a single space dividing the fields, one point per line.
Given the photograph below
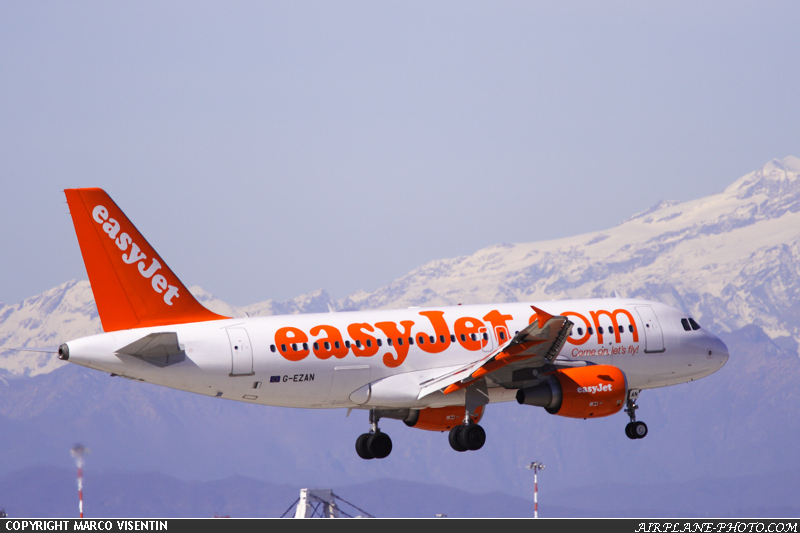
x=731 y=259
x=69 y=312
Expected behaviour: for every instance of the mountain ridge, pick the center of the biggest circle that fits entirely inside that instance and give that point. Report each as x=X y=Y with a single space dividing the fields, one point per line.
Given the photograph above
x=730 y=259
x=739 y=279
x=49 y=492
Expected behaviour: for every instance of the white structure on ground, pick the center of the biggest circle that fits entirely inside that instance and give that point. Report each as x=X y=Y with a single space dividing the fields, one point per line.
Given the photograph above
x=316 y=502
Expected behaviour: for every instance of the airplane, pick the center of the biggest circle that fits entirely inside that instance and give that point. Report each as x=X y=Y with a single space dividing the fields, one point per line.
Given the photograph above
x=434 y=368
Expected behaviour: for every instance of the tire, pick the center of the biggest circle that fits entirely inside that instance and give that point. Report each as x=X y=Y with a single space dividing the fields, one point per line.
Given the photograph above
x=379 y=445
x=361 y=447
x=629 y=431
x=472 y=437
x=455 y=442
x=639 y=430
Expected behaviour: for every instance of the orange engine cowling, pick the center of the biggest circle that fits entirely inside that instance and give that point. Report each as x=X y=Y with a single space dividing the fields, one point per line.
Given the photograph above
x=583 y=392
x=440 y=418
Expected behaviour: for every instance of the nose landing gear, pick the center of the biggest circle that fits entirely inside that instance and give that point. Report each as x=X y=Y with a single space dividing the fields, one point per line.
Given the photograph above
x=375 y=444
x=634 y=429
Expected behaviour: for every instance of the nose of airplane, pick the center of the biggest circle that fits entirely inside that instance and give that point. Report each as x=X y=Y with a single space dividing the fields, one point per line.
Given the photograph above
x=717 y=352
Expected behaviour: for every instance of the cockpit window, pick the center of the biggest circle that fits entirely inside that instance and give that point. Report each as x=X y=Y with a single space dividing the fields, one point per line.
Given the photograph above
x=694 y=324
x=685 y=324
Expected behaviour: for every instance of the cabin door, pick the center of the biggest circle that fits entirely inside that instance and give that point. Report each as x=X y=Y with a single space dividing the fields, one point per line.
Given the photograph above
x=241 y=352
x=654 y=338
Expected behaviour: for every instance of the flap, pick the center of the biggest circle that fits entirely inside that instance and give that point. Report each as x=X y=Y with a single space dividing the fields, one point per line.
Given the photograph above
x=539 y=342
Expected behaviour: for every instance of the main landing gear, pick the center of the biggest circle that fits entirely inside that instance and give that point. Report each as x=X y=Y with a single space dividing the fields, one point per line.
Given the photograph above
x=467 y=436
x=375 y=444
x=634 y=429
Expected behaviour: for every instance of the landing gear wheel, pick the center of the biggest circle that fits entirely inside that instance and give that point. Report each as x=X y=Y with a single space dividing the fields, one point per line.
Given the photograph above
x=379 y=445
x=472 y=437
x=639 y=430
x=373 y=445
x=634 y=429
x=455 y=442
x=361 y=447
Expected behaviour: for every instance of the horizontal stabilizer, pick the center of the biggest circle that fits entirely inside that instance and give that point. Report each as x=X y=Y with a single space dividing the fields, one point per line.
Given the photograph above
x=160 y=349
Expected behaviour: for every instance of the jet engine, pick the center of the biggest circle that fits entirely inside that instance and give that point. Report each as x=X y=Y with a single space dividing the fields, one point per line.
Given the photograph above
x=581 y=392
x=440 y=418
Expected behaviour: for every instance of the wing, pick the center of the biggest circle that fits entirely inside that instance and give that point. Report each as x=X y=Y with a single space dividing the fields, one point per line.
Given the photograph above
x=534 y=346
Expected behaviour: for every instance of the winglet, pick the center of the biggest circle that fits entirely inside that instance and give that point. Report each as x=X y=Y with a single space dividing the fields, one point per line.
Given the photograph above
x=133 y=287
x=543 y=316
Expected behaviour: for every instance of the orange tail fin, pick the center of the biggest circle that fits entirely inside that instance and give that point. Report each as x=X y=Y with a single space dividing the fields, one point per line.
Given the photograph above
x=133 y=287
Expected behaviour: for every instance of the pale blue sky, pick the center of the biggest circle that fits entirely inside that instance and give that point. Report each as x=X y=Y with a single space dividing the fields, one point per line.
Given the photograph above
x=267 y=149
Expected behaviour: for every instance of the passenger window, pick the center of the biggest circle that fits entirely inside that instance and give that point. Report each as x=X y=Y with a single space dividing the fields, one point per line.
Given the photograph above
x=591 y=331
x=502 y=335
x=294 y=347
x=305 y=346
x=452 y=338
x=473 y=336
x=463 y=338
x=389 y=342
x=358 y=344
x=327 y=345
x=685 y=324
x=580 y=332
x=433 y=339
x=600 y=330
x=336 y=343
x=421 y=339
x=347 y=344
x=630 y=328
x=379 y=342
x=621 y=329
x=283 y=347
x=369 y=343
x=399 y=341
x=316 y=346
x=441 y=339
x=486 y=336
x=411 y=341
x=271 y=347
x=694 y=324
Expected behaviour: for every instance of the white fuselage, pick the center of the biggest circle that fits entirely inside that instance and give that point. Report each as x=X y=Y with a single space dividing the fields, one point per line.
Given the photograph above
x=253 y=360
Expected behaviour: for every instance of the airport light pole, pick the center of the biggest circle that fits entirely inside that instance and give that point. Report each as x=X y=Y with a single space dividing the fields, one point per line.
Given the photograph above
x=78 y=452
x=535 y=467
